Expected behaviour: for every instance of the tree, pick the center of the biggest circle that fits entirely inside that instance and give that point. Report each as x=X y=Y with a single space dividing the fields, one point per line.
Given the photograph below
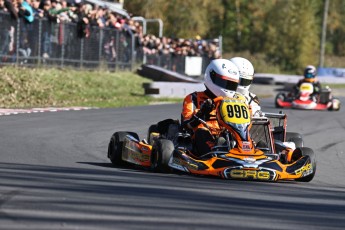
x=286 y=32
x=182 y=19
x=293 y=34
x=336 y=28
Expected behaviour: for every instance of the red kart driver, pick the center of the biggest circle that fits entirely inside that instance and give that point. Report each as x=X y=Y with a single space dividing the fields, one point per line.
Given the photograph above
x=310 y=77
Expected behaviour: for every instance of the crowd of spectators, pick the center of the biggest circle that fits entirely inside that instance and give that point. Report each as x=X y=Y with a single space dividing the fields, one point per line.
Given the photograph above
x=87 y=16
x=180 y=46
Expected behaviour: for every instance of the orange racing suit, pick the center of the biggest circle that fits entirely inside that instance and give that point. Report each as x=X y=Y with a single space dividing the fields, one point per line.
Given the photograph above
x=203 y=138
x=191 y=106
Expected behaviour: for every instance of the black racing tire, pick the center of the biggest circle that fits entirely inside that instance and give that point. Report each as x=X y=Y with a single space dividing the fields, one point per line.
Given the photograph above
x=152 y=129
x=296 y=138
x=115 y=147
x=279 y=96
x=304 y=151
x=162 y=151
x=337 y=108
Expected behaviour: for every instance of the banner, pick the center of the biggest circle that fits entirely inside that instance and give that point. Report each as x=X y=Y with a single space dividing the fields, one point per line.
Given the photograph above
x=331 y=72
x=193 y=66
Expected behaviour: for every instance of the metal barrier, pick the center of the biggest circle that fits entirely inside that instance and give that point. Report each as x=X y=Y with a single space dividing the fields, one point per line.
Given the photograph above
x=43 y=42
x=172 y=62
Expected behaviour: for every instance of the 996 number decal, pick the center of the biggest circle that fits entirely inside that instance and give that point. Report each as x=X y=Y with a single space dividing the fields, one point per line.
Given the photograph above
x=238 y=111
x=235 y=112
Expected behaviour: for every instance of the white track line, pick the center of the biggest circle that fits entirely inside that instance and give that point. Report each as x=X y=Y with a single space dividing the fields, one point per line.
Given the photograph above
x=6 y=112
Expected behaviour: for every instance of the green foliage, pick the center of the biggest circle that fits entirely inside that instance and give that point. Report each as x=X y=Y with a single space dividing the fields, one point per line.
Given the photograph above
x=286 y=32
x=292 y=38
x=21 y=87
x=336 y=28
x=182 y=19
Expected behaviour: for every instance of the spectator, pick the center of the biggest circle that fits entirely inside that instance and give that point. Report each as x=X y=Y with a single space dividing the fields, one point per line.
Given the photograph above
x=25 y=50
x=8 y=48
x=25 y=10
x=73 y=12
x=83 y=26
x=88 y=16
x=2 y=5
x=37 y=11
x=12 y=8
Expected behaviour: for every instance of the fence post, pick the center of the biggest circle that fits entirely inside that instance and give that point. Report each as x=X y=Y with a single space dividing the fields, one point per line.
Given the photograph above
x=81 y=52
x=220 y=44
x=101 y=35
x=62 y=43
x=134 y=54
x=18 y=42
x=117 y=41
x=39 y=40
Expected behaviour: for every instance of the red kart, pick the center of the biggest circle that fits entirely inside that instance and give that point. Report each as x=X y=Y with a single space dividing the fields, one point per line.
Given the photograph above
x=305 y=100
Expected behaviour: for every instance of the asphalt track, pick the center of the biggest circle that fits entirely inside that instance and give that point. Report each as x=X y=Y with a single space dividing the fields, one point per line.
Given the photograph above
x=54 y=174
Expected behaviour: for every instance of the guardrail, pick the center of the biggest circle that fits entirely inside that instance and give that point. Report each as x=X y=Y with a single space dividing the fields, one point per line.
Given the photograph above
x=168 y=83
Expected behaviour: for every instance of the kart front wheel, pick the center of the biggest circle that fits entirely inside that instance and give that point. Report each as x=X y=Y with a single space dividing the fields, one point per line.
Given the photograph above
x=162 y=151
x=304 y=151
x=280 y=96
x=115 y=146
x=335 y=105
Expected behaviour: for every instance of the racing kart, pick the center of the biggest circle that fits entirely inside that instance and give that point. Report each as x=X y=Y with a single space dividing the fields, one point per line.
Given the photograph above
x=247 y=148
x=305 y=100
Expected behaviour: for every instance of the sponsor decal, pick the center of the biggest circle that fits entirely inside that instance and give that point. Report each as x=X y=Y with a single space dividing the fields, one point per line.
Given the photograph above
x=246 y=146
x=185 y=163
x=134 y=153
x=139 y=156
x=144 y=148
x=249 y=174
x=305 y=170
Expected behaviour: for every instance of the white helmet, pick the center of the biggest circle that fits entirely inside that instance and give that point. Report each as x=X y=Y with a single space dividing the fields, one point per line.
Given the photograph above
x=222 y=77
x=246 y=70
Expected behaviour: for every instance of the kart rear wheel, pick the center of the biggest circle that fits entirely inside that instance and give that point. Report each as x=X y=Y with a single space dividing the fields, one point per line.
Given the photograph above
x=162 y=151
x=280 y=96
x=295 y=138
x=115 y=146
x=304 y=151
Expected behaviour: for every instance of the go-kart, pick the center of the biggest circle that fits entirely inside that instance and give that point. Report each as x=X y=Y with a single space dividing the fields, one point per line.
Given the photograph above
x=247 y=148
x=305 y=100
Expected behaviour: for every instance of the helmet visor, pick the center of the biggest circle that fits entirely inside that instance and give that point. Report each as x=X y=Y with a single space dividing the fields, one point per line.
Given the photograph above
x=245 y=82
x=309 y=75
x=223 y=81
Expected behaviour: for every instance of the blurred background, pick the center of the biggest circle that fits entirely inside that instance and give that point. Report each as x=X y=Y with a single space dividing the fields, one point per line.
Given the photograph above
x=278 y=36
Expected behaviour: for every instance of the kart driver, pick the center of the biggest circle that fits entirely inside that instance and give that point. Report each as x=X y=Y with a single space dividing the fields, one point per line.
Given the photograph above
x=310 y=77
x=221 y=79
x=246 y=70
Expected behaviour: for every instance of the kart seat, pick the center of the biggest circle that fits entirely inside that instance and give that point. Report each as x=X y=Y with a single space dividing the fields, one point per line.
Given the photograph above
x=262 y=145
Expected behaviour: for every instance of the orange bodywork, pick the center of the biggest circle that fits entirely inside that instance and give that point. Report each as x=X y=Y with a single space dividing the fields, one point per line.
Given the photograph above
x=243 y=161
x=139 y=153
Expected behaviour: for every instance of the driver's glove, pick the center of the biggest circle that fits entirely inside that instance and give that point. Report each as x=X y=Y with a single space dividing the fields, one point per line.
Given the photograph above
x=206 y=108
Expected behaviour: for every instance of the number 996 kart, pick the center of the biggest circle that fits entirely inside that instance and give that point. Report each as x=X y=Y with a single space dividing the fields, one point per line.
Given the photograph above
x=247 y=148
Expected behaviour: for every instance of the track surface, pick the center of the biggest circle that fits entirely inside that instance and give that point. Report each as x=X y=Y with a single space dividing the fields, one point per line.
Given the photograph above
x=54 y=174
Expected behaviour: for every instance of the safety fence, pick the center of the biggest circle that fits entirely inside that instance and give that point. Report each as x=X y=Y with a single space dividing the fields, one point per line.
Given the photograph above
x=43 y=42
x=46 y=43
